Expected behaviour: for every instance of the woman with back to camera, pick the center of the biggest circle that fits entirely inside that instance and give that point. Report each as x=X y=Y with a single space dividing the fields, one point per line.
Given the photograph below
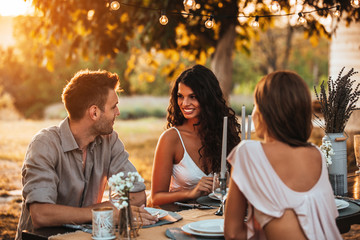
x=282 y=181
x=189 y=151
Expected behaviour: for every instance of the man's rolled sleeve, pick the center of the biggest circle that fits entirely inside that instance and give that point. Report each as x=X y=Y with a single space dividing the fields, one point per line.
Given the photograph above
x=39 y=177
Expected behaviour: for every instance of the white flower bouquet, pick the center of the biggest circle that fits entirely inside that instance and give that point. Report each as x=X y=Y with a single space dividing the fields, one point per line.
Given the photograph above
x=327 y=150
x=120 y=186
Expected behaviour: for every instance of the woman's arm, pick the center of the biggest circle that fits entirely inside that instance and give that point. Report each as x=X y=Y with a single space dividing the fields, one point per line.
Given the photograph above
x=235 y=210
x=165 y=155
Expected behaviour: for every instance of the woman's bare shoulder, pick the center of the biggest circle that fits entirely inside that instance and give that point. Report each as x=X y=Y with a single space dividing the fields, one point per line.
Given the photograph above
x=169 y=135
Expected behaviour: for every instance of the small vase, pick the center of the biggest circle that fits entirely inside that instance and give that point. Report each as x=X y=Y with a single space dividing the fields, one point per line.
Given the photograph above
x=338 y=168
x=129 y=224
x=125 y=223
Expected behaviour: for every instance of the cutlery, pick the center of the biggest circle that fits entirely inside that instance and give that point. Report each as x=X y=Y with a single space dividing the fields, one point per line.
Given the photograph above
x=84 y=227
x=194 y=205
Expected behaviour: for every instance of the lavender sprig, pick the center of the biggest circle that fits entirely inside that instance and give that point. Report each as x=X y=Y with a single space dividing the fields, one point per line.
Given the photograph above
x=338 y=102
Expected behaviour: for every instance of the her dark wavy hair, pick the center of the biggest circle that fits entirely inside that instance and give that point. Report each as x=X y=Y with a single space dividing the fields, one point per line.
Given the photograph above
x=207 y=90
x=284 y=101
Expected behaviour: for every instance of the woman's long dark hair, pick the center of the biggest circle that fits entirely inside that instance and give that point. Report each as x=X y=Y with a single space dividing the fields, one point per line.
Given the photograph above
x=206 y=87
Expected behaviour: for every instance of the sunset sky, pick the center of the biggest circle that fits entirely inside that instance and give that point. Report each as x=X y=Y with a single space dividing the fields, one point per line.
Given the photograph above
x=14 y=7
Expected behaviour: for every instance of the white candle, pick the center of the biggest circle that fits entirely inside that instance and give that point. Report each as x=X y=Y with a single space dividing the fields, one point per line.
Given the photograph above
x=249 y=127
x=243 y=123
x=223 y=149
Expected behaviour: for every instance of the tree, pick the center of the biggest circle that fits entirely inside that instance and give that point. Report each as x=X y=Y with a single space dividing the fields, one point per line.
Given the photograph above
x=92 y=24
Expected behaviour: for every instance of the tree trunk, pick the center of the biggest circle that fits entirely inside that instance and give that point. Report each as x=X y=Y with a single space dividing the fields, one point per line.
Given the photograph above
x=289 y=36
x=222 y=62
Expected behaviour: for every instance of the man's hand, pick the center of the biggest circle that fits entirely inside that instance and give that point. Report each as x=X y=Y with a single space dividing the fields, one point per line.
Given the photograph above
x=138 y=198
x=145 y=216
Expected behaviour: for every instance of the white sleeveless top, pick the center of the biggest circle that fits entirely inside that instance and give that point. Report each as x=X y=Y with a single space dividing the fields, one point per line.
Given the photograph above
x=268 y=197
x=186 y=174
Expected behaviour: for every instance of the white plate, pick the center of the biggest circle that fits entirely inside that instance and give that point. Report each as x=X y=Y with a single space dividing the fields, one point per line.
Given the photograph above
x=341 y=204
x=154 y=211
x=103 y=238
x=212 y=196
x=208 y=226
x=187 y=229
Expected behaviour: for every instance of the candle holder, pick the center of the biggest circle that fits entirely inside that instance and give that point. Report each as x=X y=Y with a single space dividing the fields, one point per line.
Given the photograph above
x=221 y=192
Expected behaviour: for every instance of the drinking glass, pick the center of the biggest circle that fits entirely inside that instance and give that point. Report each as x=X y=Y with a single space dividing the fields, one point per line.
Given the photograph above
x=357 y=151
x=219 y=190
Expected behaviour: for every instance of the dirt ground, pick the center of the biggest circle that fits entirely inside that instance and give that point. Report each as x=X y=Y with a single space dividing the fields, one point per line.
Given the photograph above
x=10 y=201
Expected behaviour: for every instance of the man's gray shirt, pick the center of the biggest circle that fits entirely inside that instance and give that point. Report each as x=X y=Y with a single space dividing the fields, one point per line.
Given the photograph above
x=53 y=170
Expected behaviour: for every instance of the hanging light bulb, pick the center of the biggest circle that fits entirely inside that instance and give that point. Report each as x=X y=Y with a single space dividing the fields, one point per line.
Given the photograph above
x=210 y=22
x=275 y=6
x=189 y=4
x=301 y=20
x=163 y=19
x=255 y=24
x=355 y=3
x=336 y=13
x=115 y=5
x=241 y=18
x=90 y=14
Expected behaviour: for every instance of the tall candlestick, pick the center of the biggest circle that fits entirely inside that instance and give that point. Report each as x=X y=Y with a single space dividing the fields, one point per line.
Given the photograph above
x=249 y=127
x=223 y=149
x=243 y=123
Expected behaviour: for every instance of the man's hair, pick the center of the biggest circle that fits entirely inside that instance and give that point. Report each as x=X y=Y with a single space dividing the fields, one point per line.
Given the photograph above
x=284 y=101
x=88 y=88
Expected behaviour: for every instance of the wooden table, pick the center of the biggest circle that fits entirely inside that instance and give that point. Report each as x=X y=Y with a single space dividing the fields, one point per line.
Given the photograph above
x=157 y=232
x=346 y=218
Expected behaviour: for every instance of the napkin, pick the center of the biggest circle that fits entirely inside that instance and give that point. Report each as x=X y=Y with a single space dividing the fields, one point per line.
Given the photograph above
x=206 y=200
x=168 y=219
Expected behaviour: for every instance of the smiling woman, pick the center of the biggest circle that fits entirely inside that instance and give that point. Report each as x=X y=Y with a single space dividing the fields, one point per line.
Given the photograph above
x=15 y=7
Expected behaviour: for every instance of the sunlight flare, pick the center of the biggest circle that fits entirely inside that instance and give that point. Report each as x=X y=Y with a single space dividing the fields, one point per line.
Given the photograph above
x=15 y=7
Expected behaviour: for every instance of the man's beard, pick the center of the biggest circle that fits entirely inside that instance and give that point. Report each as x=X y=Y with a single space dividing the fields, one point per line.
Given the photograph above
x=103 y=126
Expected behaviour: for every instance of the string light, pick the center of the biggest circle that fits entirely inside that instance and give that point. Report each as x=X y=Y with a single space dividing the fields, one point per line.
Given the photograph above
x=90 y=14
x=336 y=13
x=301 y=20
x=210 y=22
x=275 y=6
x=241 y=18
x=255 y=24
x=115 y=5
x=189 y=4
x=163 y=19
x=355 y=3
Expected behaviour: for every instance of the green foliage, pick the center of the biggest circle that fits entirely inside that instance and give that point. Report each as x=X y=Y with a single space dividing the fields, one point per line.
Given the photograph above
x=143 y=106
x=310 y=62
x=34 y=82
x=108 y=31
